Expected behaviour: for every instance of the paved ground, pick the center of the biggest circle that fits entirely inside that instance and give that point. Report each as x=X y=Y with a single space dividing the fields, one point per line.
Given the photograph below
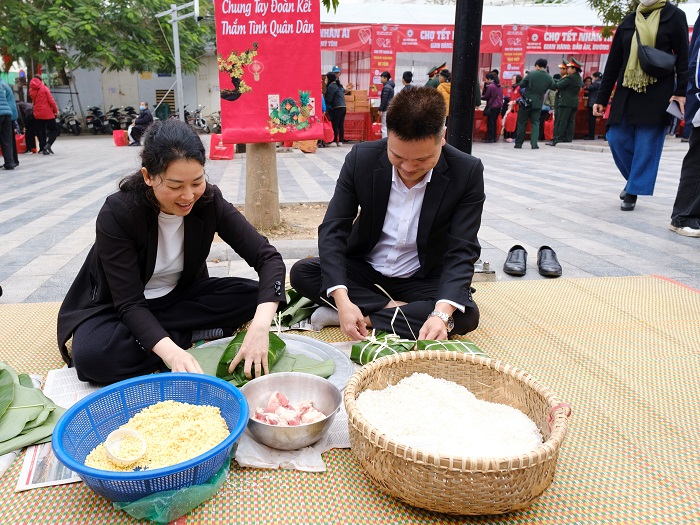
x=565 y=197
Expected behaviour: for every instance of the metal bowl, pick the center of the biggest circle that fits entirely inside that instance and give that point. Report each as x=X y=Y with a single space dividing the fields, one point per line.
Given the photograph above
x=297 y=387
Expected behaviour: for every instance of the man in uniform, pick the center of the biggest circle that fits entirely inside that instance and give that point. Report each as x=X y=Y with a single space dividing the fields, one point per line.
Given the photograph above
x=433 y=78
x=534 y=86
x=568 y=89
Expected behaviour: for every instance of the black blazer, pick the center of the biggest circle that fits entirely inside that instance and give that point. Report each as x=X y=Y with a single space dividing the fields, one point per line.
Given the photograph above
x=123 y=258
x=447 y=228
x=646 y=108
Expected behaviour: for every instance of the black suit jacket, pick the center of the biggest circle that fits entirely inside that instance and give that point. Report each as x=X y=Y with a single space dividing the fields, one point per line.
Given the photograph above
x=447 y=228
x=123 y=258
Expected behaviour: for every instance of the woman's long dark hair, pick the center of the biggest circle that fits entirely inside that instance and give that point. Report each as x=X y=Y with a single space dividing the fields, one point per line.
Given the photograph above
x=164 y=142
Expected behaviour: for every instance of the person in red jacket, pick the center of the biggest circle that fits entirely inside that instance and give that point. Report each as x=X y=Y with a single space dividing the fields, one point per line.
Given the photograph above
x=45 y=112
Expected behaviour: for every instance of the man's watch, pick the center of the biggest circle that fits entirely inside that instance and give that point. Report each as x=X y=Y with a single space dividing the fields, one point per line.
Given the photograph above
x=447 y=319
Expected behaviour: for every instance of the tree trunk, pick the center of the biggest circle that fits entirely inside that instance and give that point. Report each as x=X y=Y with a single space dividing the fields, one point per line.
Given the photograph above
x=262 y=198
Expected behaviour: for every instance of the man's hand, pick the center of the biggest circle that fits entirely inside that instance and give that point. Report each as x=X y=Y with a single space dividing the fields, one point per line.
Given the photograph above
x=599 y=110
x=433 y=329
x=352 y=322
x=254 y=351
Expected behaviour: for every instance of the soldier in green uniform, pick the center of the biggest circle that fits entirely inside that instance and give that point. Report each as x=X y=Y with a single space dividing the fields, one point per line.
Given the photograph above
x=532 y=89
x=568 y=89
x=433 y=77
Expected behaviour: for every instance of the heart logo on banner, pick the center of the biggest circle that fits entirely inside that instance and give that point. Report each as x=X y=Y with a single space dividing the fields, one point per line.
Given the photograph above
x=495 y=37
x=383 y=42
x=514 y=41
x=365 y=36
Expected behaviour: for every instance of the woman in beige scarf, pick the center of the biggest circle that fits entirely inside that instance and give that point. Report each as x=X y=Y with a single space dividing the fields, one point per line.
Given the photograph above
x=638 y=115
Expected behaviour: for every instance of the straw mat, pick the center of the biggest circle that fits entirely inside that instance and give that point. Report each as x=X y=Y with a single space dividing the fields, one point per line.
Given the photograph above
x=623 y=351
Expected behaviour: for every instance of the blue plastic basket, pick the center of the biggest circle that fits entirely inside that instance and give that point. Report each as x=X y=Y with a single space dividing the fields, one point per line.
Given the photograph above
x=88 y=423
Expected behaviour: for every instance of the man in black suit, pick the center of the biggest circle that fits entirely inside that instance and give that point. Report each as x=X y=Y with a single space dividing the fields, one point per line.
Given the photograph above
x=413 y=243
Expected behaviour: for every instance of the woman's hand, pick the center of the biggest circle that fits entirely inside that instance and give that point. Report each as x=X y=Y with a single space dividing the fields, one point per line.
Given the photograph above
x=681 y=102
x=177 y=359
x=256 y=343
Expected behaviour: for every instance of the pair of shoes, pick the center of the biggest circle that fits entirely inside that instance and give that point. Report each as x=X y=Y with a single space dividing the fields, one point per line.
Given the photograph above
x=628 y=202
x=547 y=262
x=588 y=138
x=516 y=261
x=552 y=143
x=518 y=146
x=686 y=231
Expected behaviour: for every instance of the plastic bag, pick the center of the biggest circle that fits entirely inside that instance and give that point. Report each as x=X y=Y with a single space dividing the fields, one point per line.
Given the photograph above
x=328 y=133
x=169 y=505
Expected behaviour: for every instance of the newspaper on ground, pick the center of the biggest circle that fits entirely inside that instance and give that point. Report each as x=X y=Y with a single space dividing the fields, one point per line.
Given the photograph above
x=41 y=468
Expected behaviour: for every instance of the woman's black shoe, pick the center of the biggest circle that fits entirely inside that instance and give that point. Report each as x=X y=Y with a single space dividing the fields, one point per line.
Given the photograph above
x=628 y=202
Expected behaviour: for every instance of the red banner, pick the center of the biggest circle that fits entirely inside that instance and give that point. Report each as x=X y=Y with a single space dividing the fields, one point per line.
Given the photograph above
x=339 y=37
x=513 y=51
x=383 y=55
x=424 y=39
x=268 y=75
x=491 y=39
x=574 y=40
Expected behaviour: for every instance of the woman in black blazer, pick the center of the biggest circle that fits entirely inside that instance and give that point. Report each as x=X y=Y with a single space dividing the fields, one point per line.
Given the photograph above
x=144 y=293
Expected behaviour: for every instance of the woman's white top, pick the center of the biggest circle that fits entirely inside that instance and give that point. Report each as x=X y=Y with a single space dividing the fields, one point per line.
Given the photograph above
x=170 y=256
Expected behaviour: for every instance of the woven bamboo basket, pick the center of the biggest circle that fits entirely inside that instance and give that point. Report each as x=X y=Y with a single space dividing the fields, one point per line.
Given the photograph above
x=458 y=485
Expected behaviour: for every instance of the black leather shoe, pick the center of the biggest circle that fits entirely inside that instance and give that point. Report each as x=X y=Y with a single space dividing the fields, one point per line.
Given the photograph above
x=516 y=261
x=518 y=146
x=547 y=262
x=551 y=143
x=623 y=193
x=628 y=202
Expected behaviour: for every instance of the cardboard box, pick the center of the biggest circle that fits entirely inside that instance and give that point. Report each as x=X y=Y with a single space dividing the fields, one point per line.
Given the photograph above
x=359 y=95
x=361 y=109
x=350 y=107
x=349 y=98
x=362 y=104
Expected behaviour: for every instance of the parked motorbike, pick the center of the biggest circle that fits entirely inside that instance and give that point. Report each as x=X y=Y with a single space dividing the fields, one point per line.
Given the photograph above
x=67 y=123
x=96 y=121
x=128 y=116
x=215 y=119
x=196 y=120
x=114 y=118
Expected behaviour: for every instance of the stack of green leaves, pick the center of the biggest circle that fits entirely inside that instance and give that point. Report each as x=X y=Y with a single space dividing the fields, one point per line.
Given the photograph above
x=27 y=416
x=378 y=345
x=298 y=308
x=214 y=360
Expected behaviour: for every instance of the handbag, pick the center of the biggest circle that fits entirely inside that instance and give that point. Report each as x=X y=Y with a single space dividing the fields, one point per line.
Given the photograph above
x=487 y=111
x=328 y=133
x=654 y=62
x=524 y=102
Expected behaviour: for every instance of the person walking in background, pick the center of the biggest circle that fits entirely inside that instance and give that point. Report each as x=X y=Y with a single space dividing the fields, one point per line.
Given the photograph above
x=433 y=80
x=532 y=89
x=25 y=119
x=8 y=113
x=386 y=96
x=493 y=95
x=592 y=92
x=638 y=118
x=335 y=102
x=685 y=218
x=45 y=112
x=406 y=80
x=445 y=88
x=568 y=89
